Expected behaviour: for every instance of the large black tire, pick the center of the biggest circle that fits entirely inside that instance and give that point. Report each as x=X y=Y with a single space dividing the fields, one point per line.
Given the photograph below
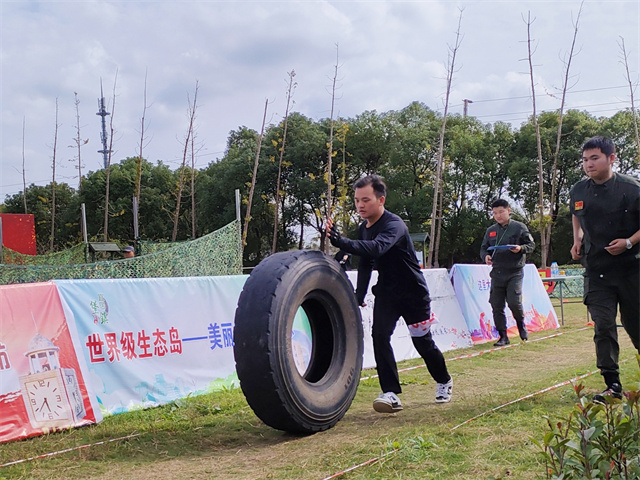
x=278 y=393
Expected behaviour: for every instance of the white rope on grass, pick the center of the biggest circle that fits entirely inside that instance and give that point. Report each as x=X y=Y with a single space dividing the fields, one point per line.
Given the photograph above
x=44 y=455
x=476 y=354
x=544 y=390
x=368 y=462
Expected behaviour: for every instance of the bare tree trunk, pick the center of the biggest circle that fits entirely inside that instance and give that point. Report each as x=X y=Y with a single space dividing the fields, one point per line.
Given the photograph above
x=254 y=176
x=79 y=142
x=194 y=152
x=553 y=202
x=53 y=184
x=192 y=116
x=624 y=59
x=330 y=151
x=292 y=86
x=139 y=159
x=301 y=241
x=434 y=246
x=543 y=232
x=193 y=187
x=436 y=261
x=343 y=189
x=108 y=166
x=24 y=174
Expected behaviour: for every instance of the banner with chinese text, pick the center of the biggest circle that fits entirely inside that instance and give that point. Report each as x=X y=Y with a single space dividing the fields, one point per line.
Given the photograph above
x=151 y=341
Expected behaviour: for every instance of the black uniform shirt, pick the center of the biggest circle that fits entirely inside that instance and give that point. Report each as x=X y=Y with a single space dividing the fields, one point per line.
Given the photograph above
x=607 y=211
x=388 y=247
x=513 y=233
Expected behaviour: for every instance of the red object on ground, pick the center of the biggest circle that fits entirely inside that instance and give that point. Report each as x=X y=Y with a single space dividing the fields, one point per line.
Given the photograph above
x=19 y=232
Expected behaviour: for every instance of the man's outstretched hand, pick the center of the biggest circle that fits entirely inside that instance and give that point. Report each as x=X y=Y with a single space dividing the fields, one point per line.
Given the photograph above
x=332 y=232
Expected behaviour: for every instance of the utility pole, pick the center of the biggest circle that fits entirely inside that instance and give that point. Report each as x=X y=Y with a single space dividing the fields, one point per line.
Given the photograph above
x=103 y=135
x=466 y=107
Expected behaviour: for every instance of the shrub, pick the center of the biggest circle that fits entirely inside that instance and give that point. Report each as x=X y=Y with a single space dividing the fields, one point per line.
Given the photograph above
x=595 y=441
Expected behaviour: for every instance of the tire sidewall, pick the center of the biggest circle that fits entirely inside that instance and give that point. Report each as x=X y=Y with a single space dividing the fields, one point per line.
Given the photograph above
x=326 y=396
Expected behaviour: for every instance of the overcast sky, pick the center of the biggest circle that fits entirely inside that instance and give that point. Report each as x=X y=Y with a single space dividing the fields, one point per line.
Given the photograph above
x=390 y=54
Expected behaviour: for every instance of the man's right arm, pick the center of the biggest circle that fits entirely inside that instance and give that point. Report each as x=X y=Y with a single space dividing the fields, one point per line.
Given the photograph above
x=577 y=238
x=484 y=253
x=365 y=266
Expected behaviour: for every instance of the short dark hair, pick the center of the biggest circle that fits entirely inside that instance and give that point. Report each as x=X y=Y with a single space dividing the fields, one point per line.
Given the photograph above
x=605 y=144
x=377 y=182
x=500 y=202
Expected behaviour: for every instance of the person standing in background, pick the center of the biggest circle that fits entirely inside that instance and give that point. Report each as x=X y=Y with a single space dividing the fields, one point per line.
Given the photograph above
x=507 y=269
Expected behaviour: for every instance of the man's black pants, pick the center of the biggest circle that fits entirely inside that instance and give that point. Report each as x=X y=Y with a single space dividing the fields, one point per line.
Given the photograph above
x=602 y=295
x=506 y=286
x=386 y=313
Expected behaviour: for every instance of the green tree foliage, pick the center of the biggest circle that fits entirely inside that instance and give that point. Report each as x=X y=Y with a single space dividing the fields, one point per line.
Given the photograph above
x=620 y=128
x=39 y=204
x=157 y=201
x=522 y=172
x=410 y=169
x=482 y=162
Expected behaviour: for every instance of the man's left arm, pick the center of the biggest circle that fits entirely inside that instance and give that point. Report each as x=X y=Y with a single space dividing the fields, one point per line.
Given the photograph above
x=619 y=245
x=381 y=244
x=526 y=242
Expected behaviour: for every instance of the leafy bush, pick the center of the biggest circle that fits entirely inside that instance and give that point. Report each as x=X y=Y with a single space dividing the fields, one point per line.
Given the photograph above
x=595 y=441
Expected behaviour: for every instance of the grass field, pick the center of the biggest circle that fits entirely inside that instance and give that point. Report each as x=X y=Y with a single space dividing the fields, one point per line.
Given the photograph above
x=218 y=436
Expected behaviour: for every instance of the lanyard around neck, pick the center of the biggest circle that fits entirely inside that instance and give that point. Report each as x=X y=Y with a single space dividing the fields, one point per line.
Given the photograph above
x=503 y=234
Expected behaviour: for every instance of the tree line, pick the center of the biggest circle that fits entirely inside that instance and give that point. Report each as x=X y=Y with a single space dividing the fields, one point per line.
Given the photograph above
x=481 y=162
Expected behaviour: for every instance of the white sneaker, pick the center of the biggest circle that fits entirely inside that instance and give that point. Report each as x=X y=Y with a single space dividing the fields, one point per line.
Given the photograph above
x=443 y=392
x=387 y=403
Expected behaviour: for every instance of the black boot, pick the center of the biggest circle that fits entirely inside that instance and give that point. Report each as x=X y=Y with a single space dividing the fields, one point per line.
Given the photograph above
x=524 y=335
x=503 y=340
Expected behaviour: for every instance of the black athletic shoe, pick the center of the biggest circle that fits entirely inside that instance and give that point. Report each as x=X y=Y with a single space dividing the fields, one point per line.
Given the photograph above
x=614 y=391
x=502 y=342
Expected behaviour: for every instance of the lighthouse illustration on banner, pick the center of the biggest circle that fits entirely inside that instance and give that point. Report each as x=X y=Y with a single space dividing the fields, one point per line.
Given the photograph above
x=51 y=394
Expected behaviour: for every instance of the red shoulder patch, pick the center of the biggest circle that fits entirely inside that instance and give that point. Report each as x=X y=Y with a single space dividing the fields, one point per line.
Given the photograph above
x=493 y=234
x=578 y=205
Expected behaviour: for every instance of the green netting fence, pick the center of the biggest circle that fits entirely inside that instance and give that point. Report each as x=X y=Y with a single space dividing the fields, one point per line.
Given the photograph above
x=69 y=256
x=218 y=253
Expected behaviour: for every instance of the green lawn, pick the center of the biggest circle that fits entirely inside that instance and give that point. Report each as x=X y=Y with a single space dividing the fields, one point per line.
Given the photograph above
x=218 y=436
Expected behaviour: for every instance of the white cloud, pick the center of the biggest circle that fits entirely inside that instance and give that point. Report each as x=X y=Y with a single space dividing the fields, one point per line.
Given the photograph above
x=390 y=54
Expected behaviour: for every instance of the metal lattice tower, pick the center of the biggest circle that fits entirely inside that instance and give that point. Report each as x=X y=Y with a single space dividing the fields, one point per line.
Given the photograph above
x=103 y=135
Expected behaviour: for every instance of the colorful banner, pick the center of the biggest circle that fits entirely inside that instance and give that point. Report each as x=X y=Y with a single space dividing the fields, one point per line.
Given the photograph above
x=43 y=384
x=151 y=341
x=449 y=328
x=78 y=349
x=472 y=284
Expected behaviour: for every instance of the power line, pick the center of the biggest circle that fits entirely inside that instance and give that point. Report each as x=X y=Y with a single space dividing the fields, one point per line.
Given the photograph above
x=529 y=112
x=529 y=96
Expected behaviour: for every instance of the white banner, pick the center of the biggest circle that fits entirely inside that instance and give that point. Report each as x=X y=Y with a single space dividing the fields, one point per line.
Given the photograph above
x=450 y=333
